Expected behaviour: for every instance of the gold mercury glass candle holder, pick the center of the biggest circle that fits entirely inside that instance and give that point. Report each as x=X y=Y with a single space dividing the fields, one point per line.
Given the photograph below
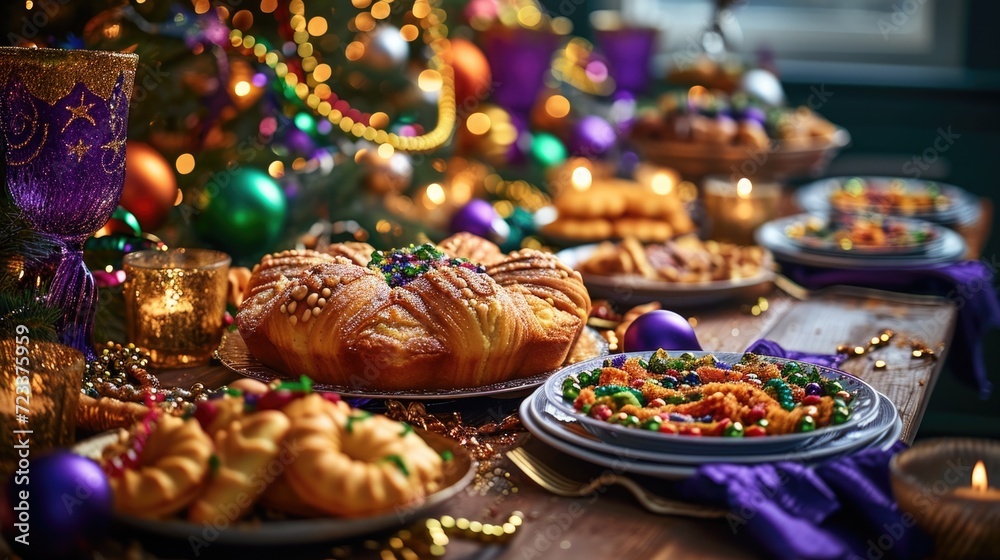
x=175 y=302
x=736 y=208
x=944 y=484
x=39 y=392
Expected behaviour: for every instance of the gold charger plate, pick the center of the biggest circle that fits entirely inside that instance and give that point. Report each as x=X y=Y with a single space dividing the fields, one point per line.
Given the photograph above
x=234 y=354
x=458 y=472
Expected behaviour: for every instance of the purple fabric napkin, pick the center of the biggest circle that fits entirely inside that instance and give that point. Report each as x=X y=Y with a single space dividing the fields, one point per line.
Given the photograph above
x=840 y=509
x=766 y=347
x=969 y=284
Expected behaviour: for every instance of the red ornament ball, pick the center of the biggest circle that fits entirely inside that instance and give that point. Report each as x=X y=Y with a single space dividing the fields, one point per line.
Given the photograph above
x=150 y=185
x=660 y=329
x=473 y=78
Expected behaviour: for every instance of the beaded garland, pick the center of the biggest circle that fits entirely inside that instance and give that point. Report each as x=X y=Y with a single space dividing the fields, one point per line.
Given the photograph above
x=302 y=78
x=119 y=372
x=401 y=266
x=702 y=396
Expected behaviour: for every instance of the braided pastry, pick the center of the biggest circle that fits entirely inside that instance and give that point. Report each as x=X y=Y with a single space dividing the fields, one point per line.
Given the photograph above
x=416 y=319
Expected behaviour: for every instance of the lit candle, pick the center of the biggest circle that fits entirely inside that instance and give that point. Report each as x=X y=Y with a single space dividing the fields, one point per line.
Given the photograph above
x=980 y=489
x=662 y=181
x=736 y=210
x=581 y=178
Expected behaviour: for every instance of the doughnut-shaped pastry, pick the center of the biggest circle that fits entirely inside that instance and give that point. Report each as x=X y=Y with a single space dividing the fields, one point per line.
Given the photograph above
x=352 y=462
x=244 y=449
x=171 y=472
x=280 y=497
x=228 y=408
x=414 y=319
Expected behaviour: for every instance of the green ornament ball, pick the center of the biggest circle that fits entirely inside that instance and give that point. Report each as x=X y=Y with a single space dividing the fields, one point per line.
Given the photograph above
x=547 y=150
x=243 y=213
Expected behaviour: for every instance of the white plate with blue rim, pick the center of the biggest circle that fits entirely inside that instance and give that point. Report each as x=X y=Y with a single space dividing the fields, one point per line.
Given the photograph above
x=864 y=406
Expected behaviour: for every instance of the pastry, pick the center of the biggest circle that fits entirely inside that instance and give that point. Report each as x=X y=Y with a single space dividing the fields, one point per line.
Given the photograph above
x=716 y=119
x=683 y=260
x=244 y=449
x=413 y=318
x=294 y=451
x=473 y=248
x=170 y=474
x=619 y=208
x=353 y=462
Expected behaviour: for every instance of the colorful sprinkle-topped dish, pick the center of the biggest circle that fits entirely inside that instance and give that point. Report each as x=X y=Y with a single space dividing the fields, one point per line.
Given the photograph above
x=889 y=197
x=702 y=396
x=862 y=234
x=402 y=266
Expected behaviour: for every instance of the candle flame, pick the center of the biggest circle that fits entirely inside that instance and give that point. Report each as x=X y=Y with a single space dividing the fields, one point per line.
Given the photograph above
x=582 y=178
x=743 y=188
x=663 y=183
x=979 y=481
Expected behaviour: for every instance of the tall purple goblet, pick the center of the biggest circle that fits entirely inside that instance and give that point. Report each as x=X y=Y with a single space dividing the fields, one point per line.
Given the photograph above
x=519 y=59
x=63 y=123
x=629 y=51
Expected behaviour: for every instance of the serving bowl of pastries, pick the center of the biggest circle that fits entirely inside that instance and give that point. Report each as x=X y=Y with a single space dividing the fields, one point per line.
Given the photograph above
x=703 y=132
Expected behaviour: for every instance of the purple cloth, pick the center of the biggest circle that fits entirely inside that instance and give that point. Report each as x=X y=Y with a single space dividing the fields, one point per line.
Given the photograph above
x=969 y=284
x=840 y=509
x=766 y=347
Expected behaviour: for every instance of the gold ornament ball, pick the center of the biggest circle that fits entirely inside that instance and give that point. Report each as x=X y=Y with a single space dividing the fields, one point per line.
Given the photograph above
x=150 y=185
x=473 y=78
x=390 y=175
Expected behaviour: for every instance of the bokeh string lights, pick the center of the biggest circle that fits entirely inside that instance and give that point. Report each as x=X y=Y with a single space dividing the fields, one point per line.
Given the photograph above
x=311 y=87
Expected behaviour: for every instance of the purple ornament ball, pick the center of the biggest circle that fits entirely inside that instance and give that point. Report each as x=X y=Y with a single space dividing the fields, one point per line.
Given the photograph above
x=479 y=218
x=660 y=329
x=592 y=136
x=62 y=501
x=299 y=142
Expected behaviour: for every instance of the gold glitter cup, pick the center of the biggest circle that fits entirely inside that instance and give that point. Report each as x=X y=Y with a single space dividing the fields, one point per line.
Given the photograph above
x=39 y=392
x=175 y=302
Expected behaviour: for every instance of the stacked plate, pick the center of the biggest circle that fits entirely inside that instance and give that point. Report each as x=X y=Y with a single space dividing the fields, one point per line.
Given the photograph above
x=943 y=246
x=939 y=203
x=874 y=422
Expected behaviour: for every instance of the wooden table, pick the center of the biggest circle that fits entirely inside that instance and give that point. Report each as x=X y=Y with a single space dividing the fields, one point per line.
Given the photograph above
x=610 y=523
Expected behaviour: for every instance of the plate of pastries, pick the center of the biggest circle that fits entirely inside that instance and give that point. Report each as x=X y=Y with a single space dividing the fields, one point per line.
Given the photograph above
x=684 y=271
x=891 y=196
x=616 y=209
x=275 y=465
x=460 y=318
x=702 y=132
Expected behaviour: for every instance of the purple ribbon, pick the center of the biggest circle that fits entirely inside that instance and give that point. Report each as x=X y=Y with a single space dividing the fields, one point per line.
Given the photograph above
x=840 y=509
x=766 y=347
x=968 y=284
